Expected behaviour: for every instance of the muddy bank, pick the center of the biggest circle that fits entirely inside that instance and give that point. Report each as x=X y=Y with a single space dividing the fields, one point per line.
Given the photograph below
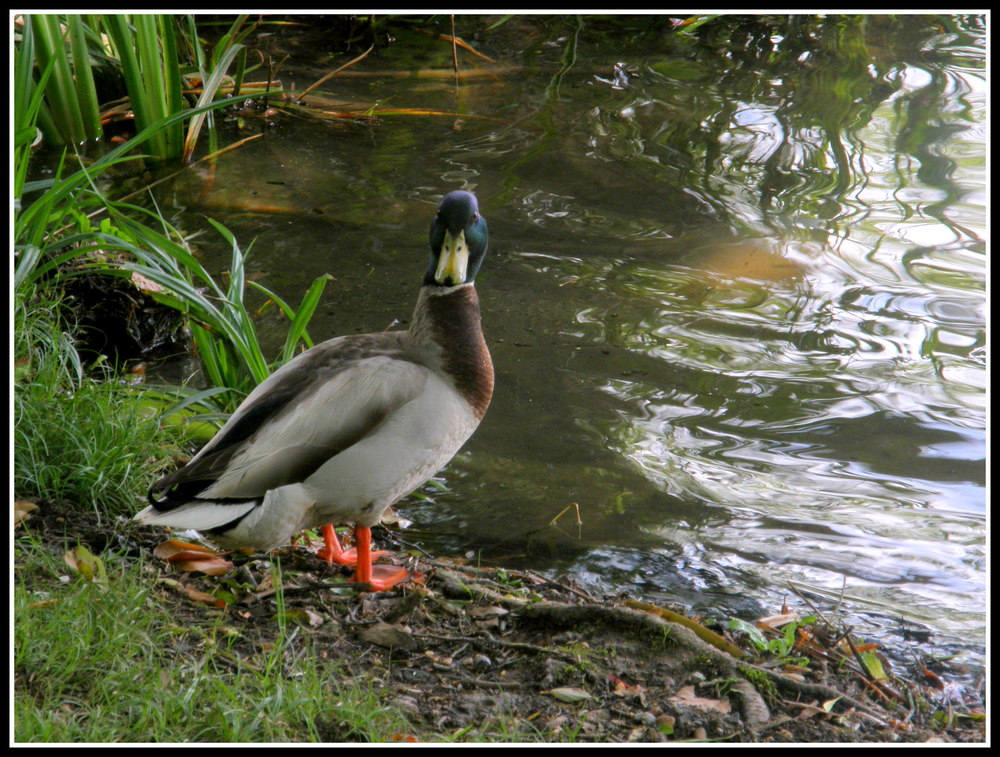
x=471 y=652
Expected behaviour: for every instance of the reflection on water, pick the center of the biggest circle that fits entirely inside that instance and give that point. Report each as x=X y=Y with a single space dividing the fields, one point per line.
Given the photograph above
x=735 y=298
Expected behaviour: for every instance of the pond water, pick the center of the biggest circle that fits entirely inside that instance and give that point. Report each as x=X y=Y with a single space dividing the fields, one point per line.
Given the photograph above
x=735 y=294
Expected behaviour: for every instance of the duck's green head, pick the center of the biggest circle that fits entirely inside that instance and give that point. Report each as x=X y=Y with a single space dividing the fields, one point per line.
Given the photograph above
x=458 y=241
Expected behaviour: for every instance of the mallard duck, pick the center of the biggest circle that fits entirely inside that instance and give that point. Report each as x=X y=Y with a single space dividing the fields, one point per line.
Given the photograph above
x=349 y=427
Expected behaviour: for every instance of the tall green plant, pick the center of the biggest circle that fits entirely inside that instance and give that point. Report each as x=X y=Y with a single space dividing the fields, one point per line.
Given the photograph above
x=147 y=51
x=70 y=113
x=153 y=53
x=222 y=322
x=213 y=71
x=27 y=105
x=45 y=233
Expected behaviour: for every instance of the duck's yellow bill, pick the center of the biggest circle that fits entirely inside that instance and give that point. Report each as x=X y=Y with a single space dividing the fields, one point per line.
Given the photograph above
x=454 y=260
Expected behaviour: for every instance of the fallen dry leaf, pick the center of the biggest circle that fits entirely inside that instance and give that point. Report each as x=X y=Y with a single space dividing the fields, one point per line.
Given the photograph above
x=43 y=603
x=775 y=621
x=88 y=565
x=193 y=558
x=810 y=709
x=22 y=509
x=305 y=617
x=389 y=636
x=568 y=694
x=687 y=697
x=193 y=594
x=214 y=566
x=144 y=284
x=487 y=612
x=623 y=689
x=173 y=547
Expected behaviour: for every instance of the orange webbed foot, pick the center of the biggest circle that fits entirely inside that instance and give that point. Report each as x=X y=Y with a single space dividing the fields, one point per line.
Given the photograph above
x=379 y=577
x=383 y=577
x=332 y=552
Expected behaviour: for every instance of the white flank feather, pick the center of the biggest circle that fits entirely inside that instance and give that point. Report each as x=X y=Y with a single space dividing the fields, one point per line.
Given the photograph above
x=196 y=515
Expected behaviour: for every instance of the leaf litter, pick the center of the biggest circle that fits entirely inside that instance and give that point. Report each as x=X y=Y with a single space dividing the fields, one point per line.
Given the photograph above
x=481 y=653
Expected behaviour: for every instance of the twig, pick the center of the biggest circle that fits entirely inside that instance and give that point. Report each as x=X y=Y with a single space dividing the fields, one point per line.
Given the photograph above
x=542 y=580
x=840 y=599
x=804 y=598
x=458 y=41
x=486 y=684
x=336 y=71
x=305 y=588
x=490 y=641
x=579 y=521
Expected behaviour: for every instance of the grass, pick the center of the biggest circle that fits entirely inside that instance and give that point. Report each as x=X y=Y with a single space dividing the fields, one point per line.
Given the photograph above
x=73 y=436
x=76 y=438
x=107 y=662
x=87 y=445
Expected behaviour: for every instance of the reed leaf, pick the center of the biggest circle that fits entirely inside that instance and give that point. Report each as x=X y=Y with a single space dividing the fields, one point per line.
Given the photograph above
x=222 y=324
x=83 y=76
x=299 y=318
x=210 y=87
x=150 y=63
x=124 y=49
x=60 y=93
x=27 y=105
x=173 y=83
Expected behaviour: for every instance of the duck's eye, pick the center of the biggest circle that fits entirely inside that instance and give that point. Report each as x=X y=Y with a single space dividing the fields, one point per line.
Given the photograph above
x=475 y=217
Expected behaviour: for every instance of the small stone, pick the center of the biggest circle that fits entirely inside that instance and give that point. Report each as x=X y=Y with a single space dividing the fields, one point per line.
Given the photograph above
x=389 y=636
x=487 y=613
x=646 y=719
x=406 y=704
x=481 y=663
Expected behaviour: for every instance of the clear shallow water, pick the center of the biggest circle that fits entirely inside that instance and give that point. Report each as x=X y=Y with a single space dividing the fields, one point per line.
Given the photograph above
x=735 y=296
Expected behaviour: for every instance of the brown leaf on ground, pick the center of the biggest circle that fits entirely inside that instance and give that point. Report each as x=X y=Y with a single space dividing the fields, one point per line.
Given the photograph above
x=192 y=593
x=22 y=509
x=687 y=697
x=193 y=558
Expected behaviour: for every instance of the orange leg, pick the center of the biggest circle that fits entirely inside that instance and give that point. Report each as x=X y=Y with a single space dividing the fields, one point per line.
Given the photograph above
x=332 y=551
x=381 y=577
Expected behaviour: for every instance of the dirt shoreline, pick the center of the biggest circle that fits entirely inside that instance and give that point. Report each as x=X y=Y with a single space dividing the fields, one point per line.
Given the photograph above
x=465 y=648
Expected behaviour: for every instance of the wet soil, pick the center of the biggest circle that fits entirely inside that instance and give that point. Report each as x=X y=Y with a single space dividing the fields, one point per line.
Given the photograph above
x=489 y=654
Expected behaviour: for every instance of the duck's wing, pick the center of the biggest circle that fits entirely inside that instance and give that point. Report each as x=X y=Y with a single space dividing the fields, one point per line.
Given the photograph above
x=311 y=409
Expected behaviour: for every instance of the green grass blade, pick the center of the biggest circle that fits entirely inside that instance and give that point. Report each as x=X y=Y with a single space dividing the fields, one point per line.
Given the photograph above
x=173 y=83
x=83 y=76
x=210 y=86
x=61 y=91
x=117 y=29
x=299 y=318
x=308 y=307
